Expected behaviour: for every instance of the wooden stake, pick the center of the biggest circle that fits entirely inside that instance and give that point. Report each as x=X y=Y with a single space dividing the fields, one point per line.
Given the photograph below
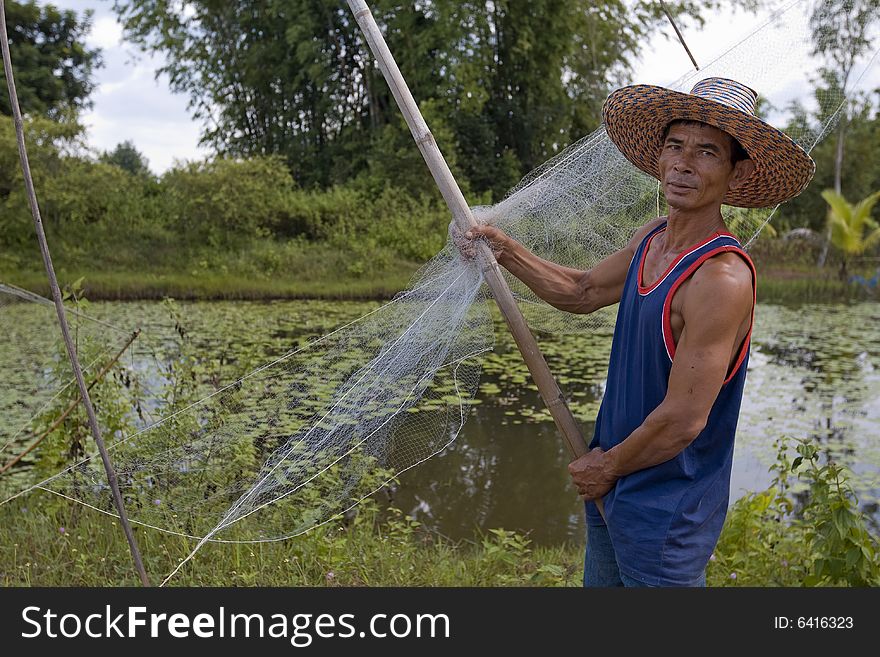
x=59 y=304
x=461 y=212
x=680 y=37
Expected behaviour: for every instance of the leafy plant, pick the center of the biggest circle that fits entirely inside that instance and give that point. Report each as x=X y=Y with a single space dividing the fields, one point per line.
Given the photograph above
x=853 y=231
x=843 y=550
x=806 y=532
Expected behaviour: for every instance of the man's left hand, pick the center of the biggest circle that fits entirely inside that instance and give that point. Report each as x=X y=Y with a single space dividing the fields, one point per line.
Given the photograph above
x=591 y=475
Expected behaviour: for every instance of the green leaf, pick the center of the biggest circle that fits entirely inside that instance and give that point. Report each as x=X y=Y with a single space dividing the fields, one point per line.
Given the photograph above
x=839 y=524
x=852 y=556
x=848 y=222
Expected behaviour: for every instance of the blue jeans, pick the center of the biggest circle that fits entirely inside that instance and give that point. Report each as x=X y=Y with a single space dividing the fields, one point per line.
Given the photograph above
x=600 y=562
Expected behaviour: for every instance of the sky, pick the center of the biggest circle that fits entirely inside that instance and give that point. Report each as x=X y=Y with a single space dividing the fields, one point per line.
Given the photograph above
x=131 y=103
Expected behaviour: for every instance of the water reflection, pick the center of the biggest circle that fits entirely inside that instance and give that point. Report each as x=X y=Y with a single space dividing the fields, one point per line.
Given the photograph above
x=813 y=375
x=497 y=474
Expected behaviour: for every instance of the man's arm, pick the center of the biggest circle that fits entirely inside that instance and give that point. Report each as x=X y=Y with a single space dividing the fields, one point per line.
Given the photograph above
x=718 y=301
x=565 y=288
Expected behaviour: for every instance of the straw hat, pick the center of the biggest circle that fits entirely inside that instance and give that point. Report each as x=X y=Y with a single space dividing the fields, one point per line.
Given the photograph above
x=636 y=116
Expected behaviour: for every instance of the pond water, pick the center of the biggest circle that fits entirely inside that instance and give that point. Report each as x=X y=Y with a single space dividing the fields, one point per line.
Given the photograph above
x=814 y=373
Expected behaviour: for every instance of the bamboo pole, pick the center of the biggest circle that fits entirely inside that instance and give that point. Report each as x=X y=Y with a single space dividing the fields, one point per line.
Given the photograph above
x=461 y=212
x=70 y=407
x=678 y=33
x=59 y=304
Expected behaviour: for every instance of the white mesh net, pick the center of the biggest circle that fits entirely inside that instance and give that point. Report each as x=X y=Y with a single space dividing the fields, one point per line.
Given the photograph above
x=298 y=440
x=36 y=370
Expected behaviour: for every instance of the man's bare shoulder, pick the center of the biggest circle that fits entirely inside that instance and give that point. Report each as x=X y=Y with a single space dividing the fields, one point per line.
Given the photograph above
x=725 y=280
x=726 y=267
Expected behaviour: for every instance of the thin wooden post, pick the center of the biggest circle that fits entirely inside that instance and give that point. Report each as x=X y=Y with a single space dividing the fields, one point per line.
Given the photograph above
x=678 y=33
x=59 y=304
x=461 y=212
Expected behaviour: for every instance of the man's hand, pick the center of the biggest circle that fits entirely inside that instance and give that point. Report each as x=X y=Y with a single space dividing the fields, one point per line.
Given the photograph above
x=498 y=240
x=591 y=475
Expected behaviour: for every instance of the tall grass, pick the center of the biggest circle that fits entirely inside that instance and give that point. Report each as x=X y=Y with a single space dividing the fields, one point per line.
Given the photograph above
x=260 y=268
x=79 y=547
x=783 y=536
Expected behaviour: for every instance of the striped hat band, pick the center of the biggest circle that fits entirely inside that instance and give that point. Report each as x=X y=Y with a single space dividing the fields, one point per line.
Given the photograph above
x=727 y=92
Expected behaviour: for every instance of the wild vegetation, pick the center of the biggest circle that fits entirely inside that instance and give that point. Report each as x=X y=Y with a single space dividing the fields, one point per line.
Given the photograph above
x=230 y=228
x=803 y=532
x=340 y=205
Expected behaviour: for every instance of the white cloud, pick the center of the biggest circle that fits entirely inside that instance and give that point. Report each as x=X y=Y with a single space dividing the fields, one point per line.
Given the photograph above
x=129 y=102
x=106 y=32
x=776 y=62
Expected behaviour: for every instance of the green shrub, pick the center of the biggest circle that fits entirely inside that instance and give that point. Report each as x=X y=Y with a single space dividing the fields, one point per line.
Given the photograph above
x=789 y=537
x=322 y=215
x=221 y=200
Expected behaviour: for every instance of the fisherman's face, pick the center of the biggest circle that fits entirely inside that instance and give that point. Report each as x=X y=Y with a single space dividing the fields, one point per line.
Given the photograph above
x=695 y=167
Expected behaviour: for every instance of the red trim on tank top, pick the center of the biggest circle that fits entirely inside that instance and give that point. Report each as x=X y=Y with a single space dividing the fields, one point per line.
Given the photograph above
x=667 y=304
x=647 y=289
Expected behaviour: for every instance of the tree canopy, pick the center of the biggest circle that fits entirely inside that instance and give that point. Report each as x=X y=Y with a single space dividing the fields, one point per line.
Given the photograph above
x=858 y=172
x=129 y=158
x=504 y=84
x=51 y=64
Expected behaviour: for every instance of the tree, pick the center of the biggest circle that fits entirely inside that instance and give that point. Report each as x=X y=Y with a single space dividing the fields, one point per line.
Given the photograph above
x=528 y=78
x=852 y=229
x=128 y=158
x=841 y=36
x=52 y=66
x=511 y=82
x=281 y=77
x=860 y=169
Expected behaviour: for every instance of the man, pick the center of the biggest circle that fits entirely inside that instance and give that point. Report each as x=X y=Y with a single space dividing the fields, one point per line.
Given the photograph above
x=662 y=452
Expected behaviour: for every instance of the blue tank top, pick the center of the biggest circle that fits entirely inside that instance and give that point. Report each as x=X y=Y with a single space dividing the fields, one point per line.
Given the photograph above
x=664 y=521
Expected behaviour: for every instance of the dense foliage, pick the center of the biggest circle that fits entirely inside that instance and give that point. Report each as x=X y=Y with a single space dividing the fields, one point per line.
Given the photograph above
x=52 y=66
x=315 y=173
x=220 y=228
x=860 y=172
x=504 y=84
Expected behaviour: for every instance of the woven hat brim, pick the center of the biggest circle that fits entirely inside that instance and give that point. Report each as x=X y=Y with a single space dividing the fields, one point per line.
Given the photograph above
x=636 y=116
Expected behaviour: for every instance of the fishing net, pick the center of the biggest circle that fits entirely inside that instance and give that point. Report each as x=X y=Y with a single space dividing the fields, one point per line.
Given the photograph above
x=308 y=435
x=37 y=375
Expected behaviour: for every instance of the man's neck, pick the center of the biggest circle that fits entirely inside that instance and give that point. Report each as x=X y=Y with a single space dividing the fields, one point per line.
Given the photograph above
x=686 y=228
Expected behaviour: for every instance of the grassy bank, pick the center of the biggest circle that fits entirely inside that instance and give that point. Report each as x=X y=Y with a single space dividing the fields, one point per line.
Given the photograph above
x=784 y=287
x=787 y=273
x=78 y=547
x=254 y=269
x=269 y=269
x=129 y=286
x=777 y=537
